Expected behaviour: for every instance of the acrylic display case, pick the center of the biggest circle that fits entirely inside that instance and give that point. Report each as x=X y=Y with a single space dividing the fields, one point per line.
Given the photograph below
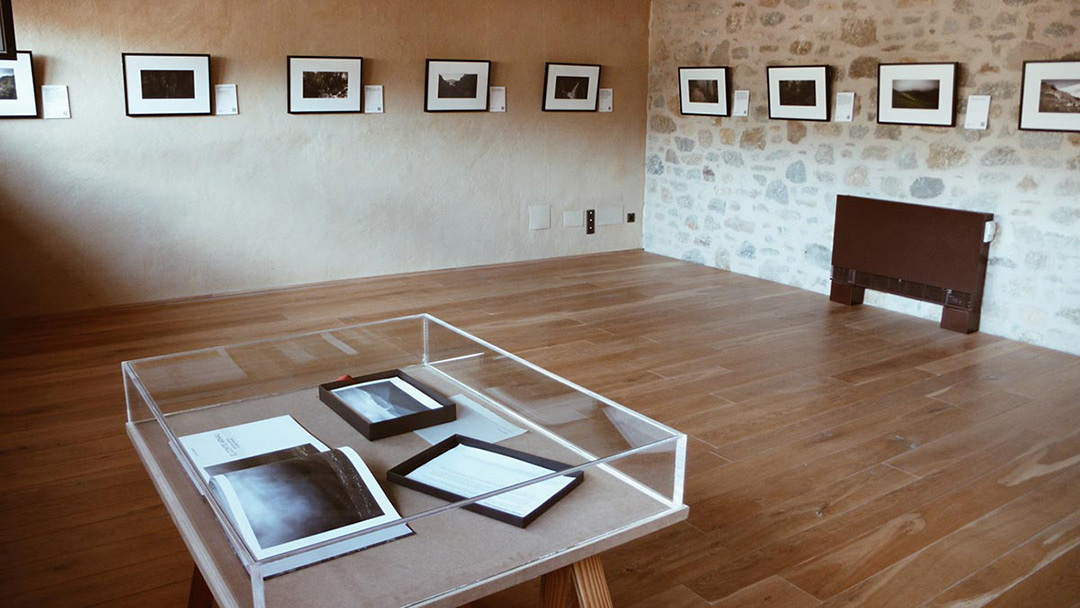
x=633 y=466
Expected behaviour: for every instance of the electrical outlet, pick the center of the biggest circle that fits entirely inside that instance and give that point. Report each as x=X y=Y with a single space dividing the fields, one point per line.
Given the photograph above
x=590 y=221
x=630 y=217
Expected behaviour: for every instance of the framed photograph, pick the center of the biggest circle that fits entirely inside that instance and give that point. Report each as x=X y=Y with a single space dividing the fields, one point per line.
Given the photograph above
x=798 y=92
x=387 y=403
x=704 y=91
x=456 y=86
x=324 y=85
x=7 y=31
x=917 y=94
x=461 y=467
x=571 y=87
x=18 y=94
x=1050 y=96
x=166 y=84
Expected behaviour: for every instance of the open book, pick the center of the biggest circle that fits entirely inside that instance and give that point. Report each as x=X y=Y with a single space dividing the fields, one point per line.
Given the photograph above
x=284 y=490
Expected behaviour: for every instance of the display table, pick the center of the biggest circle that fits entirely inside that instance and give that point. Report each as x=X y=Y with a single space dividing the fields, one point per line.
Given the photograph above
x=633 y=467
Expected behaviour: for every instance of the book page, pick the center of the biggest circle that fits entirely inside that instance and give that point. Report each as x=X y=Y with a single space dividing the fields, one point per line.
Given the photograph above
x=244 y=441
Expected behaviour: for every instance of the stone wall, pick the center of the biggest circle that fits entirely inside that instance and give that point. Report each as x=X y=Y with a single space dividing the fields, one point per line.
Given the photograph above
x=757 y=196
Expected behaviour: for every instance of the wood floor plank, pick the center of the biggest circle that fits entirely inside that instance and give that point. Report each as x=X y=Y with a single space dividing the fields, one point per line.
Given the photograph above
x=840 y=446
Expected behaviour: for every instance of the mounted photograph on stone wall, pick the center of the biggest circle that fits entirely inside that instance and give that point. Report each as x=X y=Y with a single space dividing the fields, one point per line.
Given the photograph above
x=456 y=86
x=1050 y=96
x=917 y=94
x=704 y=91
x=166 y=84
x=798 y=92
x=571 y=87
x=18 y=95
x=325 y=85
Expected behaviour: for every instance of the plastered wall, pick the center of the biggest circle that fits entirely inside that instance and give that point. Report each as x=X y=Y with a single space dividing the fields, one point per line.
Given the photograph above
x=104 y=209
x=757 y=196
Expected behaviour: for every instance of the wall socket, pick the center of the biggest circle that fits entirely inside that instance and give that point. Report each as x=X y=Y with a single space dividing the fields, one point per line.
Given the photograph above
x=590 y=221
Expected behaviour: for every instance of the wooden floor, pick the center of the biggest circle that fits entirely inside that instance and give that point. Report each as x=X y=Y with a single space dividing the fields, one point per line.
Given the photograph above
x=839 y=456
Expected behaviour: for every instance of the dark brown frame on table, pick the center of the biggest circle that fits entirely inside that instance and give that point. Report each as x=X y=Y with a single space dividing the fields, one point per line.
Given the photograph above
x=395 y=426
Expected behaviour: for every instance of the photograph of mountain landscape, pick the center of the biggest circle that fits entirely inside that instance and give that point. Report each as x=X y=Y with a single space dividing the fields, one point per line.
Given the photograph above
x=798 y=93
x=7 y=84
x=921 y=94
x=1060 y=96
x=457 y=86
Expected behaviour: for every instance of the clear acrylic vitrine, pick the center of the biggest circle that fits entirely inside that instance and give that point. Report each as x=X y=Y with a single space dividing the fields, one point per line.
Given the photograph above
x=633 y=466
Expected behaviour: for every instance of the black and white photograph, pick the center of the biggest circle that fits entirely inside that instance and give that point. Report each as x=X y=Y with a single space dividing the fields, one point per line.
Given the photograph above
x=385 y=399
x=18 y=94
x=325 y=85
x=571 y=87
x=166 y=85
x=1050 y=96
x=704 y=91
x=798 y=92
x=917 y=94
x=456 y=85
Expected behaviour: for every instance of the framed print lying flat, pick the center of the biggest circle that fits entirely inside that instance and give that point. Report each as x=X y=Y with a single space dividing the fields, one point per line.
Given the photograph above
x=917 y=94
x=798 y=92
x=18 y=94
x=571 y=87
x=387 y=403
x=456 y=86
x=166 y=84
x=704 y=91
x=7 y=31
x=1050 y=96
x=323 y=85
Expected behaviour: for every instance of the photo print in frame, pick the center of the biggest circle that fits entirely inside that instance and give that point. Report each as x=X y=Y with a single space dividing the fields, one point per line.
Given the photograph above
x=456 y=85
x=571 y=87
x=7 y=32
x=18 y=93
x=704 y=91
x=325 y=85
x=1050 y=96
x=166 y=84
x=917 y=94
x=798 y=92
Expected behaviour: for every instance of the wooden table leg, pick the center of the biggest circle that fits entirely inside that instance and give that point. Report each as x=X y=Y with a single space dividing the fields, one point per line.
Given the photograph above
x=585 y=577
x=199 y=596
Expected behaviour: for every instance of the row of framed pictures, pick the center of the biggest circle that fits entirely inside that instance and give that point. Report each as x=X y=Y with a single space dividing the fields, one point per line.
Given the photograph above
x=172 y=85
x=908 y=93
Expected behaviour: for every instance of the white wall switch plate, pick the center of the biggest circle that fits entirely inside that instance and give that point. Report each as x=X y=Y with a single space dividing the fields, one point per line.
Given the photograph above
x=609 y=215
x=539 y=217
x=573 y=219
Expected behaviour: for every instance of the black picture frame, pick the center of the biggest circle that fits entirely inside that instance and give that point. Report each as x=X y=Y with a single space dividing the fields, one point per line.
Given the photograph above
x=399 y=475
x=929 y=106
x=139 y=105
x=7 y=31
x=297 y=103
x=375 y=430
x=22 y=84
x=552 y=102
x=821 y=75
x=1034 y=116
x=722 y=105
x=434 y=98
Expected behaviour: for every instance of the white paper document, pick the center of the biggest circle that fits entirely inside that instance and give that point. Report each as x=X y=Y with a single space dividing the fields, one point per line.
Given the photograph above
x=741 y=107
x=225 y=101
x=845 y=106
x=468 y=471
x=473 y=420
x=497 y=99
x=978 y=112
x=222 y=446
x=54 y=101
x=373 y=99
x=606 y=100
